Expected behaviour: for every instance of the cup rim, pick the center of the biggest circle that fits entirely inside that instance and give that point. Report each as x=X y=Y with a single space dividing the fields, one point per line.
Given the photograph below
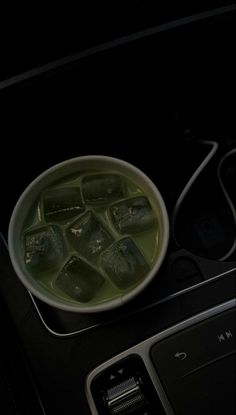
x=112 y=303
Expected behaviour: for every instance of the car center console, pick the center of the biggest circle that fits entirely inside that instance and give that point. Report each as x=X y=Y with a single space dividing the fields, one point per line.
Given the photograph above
x=188 y=368
x=174 y=356
x=161 y=101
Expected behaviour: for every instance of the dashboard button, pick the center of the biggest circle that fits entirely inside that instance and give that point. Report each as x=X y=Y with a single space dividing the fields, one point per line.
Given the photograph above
x=185 y=351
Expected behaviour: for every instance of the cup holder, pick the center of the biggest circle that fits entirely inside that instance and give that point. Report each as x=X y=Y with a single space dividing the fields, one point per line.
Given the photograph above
x=203 y=229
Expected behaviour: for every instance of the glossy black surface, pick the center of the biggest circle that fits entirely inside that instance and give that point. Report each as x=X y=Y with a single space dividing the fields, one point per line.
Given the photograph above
x=36 y=33
x=52 y=359
x=194 y=348
x=169 y=89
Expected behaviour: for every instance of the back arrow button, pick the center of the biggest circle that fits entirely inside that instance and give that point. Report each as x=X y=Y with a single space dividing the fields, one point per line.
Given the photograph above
x=181 y=355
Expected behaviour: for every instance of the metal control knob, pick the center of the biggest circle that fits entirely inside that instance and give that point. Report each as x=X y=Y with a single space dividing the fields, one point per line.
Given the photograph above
x=125 y=397
x=125 y=388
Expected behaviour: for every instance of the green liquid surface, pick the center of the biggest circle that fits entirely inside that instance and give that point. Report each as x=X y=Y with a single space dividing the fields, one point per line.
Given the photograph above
x=147 y=241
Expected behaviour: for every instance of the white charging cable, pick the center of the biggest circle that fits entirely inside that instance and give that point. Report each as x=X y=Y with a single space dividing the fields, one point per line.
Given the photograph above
x=230 y=203
x=189 y=184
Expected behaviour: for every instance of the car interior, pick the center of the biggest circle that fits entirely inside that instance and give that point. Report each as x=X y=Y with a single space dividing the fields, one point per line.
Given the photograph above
x=151 y=83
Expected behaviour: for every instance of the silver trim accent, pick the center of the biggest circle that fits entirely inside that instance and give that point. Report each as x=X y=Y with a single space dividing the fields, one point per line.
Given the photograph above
x=122 y=389
x=123 y=395
x=51 y=331
x=163 y=300
x=115 y=43
x=143 y=349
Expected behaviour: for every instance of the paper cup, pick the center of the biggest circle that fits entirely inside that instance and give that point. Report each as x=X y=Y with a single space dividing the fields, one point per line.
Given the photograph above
x=29 y=216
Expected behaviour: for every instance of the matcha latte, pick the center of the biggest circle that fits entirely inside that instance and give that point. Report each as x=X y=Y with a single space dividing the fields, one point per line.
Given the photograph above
x=91 y=234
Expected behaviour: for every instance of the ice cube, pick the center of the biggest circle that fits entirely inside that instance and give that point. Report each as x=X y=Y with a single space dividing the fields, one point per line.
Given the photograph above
x=62 y=203
x=44 y=248
x=88 y=236
x=101 y=188
x=79 y=280
x=124 y=263
x=132 y=215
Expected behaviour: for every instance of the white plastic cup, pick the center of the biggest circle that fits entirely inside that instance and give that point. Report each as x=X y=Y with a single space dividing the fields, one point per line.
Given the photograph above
x=59 y=172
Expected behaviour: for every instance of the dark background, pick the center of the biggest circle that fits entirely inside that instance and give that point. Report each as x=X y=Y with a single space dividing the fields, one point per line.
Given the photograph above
x=146 y=102
x=137 y=101
x=34 y=33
